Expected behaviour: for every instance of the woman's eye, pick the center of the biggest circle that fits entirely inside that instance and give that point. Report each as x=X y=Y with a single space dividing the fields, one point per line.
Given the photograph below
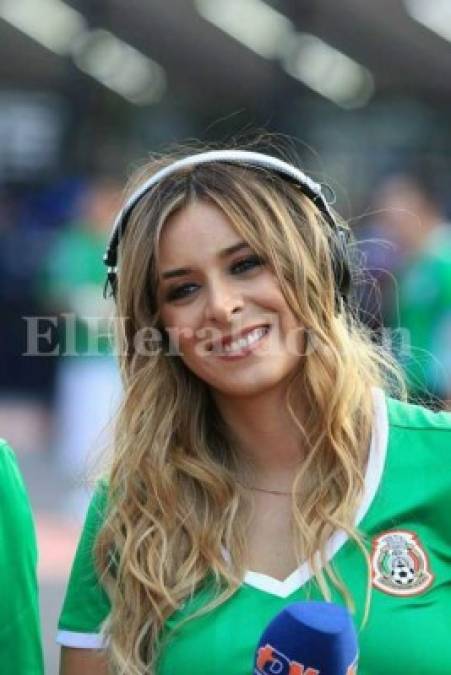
x=181 y=291
x=240 y=267
x=247 y=264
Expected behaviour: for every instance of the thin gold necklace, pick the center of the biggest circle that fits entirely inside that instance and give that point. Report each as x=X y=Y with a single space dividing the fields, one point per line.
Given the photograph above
x=270 y=492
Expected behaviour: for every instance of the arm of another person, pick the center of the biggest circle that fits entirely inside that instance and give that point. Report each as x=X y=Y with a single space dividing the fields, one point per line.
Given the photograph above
x=82 y=662
x=20 y=633
x=86 y=605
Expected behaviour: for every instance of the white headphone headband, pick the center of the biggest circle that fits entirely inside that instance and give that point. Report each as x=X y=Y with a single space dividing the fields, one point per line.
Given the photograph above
x=244 y=157
x=254 y=160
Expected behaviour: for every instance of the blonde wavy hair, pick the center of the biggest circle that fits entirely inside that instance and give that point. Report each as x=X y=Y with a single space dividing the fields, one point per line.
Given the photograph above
x=174 y=500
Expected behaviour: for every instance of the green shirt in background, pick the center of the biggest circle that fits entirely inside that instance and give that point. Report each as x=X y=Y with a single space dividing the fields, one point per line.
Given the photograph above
x=72 y=282
x=20 y=636
x=424 y=316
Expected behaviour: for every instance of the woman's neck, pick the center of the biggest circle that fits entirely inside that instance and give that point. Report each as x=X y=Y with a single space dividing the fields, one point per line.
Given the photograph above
x=269 y=441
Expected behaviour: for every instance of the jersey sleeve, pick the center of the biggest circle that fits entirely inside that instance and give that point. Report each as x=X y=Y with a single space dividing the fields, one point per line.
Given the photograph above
x=86 y=605
x=20 y=637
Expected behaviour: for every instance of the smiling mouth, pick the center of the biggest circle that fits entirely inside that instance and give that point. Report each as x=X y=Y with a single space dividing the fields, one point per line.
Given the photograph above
x=243 y=344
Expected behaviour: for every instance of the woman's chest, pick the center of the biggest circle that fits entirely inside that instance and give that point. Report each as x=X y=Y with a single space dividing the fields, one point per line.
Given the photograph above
x=270 y=543
x=398 y=638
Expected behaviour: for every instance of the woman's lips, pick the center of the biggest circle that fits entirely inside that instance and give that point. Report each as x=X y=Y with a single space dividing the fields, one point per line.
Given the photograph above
x=242 y=345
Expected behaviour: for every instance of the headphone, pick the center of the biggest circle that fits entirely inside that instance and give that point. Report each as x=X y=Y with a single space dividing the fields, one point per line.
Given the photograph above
x=255 y=160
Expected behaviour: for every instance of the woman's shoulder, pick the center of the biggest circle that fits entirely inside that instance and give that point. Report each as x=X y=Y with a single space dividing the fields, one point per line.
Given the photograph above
x=98 y=507
x=7 y=457
x=11 y=483
x=417 y=418
x=16 y=520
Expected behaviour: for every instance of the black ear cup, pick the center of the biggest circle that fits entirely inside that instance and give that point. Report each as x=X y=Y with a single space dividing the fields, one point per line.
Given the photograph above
x=341 y=263
x=110 y=287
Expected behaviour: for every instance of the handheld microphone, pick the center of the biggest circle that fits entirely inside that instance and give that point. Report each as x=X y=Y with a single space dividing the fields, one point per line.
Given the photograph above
x=308 y=638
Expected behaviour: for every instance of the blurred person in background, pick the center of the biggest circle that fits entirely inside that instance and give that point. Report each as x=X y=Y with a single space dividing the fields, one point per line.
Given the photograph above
x=20 y=633
x=87 y=382
x=418 y=307
x=26 y=384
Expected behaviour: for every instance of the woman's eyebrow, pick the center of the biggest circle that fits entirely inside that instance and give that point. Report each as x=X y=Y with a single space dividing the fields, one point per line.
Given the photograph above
x=183 y=271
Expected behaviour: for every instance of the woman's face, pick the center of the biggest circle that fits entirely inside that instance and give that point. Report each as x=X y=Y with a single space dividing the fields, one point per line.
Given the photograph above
x=223 y=307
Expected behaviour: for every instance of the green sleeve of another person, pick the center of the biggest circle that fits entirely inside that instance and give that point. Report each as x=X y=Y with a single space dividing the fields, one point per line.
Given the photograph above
x=20 y=637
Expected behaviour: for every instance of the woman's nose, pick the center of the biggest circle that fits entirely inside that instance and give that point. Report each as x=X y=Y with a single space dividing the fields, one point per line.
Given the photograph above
x=223 y=301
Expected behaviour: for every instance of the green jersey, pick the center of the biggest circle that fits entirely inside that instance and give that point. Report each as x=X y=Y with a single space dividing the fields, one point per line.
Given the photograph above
x=403 y=517
x=20 y=639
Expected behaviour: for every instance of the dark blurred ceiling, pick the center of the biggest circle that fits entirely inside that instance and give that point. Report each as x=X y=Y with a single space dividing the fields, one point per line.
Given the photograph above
x=210 y=67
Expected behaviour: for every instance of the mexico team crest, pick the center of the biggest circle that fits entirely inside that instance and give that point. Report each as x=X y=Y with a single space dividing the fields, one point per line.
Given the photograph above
x=399 y=564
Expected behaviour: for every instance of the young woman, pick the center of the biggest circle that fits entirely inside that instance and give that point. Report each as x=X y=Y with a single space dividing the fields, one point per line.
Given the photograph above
x=259 y=458
x=20 y=631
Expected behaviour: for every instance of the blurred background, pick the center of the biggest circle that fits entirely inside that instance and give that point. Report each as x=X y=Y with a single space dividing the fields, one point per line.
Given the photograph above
x=360 y=90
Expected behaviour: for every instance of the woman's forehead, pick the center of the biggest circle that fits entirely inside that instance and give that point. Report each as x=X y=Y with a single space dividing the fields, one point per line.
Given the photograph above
x=200 y=226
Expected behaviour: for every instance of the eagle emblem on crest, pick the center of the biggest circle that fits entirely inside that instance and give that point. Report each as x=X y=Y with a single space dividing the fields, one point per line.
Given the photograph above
x=399 y=564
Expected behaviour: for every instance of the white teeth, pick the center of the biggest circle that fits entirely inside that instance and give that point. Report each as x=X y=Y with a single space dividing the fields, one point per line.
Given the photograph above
x=241 y=343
